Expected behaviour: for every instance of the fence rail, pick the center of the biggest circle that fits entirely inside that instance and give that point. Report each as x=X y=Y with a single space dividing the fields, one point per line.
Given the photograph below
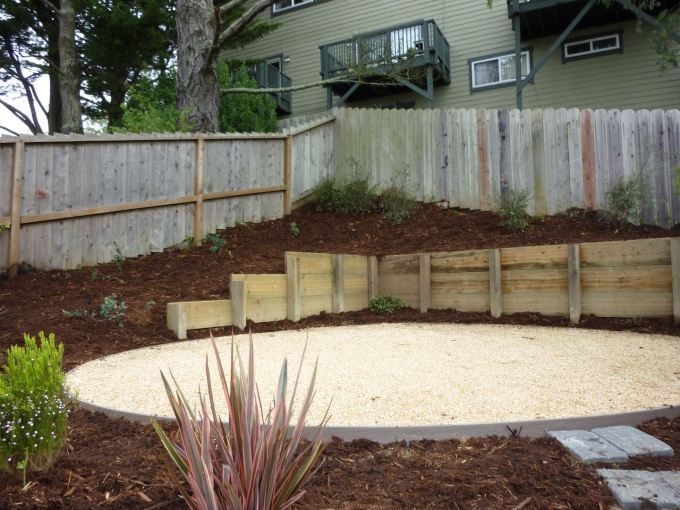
x=563 y=157
x=75 y=200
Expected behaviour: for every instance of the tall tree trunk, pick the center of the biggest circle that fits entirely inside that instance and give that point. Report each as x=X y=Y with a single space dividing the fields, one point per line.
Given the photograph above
x=198 y=92
x=68 y=66
x=54 y=117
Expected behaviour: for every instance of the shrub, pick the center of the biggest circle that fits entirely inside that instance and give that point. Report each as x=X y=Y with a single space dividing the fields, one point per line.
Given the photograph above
x=351 y=197
x=294 y=229
x=216 y=242
x=386 y=304
x=396 y=205
x=33 y=405
x=252 y=461
x=625 y=200
x=513 y=211
x=112 y=309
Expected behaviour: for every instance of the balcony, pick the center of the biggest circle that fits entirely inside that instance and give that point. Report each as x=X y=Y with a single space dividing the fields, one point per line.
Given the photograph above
x=417 y=52
x=268 y=76
x=541 y=18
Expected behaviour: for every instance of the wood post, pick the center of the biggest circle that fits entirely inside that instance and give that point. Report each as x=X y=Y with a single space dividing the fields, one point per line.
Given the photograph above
x=287 y=172
x=237 y=292
x=574 y=275
x=495 y=285
x=293 y=279
x=198 y=191
x=372 y=277
x=177 y=319
x=338 y=284
x=15 y=214
x=675 y=267
x=424 y=285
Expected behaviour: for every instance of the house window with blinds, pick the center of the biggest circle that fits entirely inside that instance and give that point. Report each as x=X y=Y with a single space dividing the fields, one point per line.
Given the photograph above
x=290 y=4
x=497 y=70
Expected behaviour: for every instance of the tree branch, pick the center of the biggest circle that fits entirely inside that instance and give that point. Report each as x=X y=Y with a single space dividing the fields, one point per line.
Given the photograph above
x=233 y=4
x=50 y=6
x=10 y=131
x=304 y=86
x=243 y=20
x=20 y=115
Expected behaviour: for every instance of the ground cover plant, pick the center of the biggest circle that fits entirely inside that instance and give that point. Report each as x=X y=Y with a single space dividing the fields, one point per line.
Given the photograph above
x=33 y=405
x=118 y=464
x=251 y=461
x=386 y=304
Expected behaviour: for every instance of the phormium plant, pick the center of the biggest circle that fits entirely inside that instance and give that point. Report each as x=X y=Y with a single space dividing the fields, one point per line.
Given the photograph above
x=251 y=461
x=33 y=405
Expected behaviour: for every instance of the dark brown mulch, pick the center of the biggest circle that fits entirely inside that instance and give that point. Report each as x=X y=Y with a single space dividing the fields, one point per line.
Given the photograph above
x=118 y=464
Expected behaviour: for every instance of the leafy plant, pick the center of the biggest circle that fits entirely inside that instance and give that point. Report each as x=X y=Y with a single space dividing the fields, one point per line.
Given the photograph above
x=216 y=242
x=118 y=257
x=112 y=309
x=351 y=197
x=78 y=313
x=33 y=405
x=625 y=200
x=251 y=461
x=4 y=226
x=386 y=304
x=513 y=211
x=294 y=229
x=396 y=205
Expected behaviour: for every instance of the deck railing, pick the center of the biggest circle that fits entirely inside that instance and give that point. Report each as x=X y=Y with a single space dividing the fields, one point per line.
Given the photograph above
x=269 y=77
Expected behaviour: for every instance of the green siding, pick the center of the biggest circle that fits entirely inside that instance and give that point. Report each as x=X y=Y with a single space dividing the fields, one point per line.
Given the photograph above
x=627 y=80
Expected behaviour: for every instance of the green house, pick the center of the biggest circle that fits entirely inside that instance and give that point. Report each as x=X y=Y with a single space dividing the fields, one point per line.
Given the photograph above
x=463 y=54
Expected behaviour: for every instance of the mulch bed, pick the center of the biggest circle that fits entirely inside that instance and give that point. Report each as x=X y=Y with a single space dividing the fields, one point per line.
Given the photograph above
x=121 y=465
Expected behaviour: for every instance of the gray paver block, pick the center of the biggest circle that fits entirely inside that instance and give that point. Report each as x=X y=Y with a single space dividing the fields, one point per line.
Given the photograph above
x=643 y=489
x=588 y=447
x=633 y=441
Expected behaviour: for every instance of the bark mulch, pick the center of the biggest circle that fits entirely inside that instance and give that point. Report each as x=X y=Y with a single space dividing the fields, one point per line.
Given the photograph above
x=117 y=464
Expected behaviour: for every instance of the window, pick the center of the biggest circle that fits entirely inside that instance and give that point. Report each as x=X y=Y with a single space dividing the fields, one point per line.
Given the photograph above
x=497 y=70
x=599 y=45
x=289 y=4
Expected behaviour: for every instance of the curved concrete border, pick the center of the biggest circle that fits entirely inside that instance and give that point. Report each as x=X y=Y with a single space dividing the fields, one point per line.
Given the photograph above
x=529 y=428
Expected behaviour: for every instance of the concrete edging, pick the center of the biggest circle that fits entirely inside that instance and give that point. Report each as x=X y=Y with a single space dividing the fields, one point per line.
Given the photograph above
x=528 y=428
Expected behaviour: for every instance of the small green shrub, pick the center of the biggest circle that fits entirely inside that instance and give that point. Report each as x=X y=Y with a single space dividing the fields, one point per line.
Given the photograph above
x=33 y=405
x=386 y=304
x=118 y=257
x=625 y=201
x=513 y=211
x=78 y=313
x=112 y=309
x=351 y=197
x=396 y=205
x=216 y=242
x=294 y=229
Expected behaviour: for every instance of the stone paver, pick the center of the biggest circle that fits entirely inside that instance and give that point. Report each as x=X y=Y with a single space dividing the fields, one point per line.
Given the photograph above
x=633 y=441
x=588 y=447
x=643 y=489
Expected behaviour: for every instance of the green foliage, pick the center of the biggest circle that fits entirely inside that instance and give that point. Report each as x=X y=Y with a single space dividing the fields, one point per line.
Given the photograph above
x=252 y=460
x=78 y=313
x=4 y=227
x=351 y=197
x=386 y=304
x=118 y=257
x=396 y=205
x=625 y=200
x=676 y=184
x=294 y=229
x=244 y=113
x=513 y=211
x=151 y=107
x=33 y=405
x=216 y=241
x=112 y=309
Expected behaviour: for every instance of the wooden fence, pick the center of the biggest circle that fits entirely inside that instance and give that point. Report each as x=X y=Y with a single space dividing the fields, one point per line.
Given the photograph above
x=75 y=201
x=563 y=158
x=639 y=278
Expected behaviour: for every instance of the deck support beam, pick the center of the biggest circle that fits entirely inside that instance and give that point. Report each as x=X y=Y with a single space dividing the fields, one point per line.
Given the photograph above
x=642 y=15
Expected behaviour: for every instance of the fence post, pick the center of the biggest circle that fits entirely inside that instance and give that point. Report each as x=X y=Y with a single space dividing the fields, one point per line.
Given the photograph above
x=675 y=268
x=424 y=282
x=338 y=284
x=287 y=174
x=574 y=275
x=176 y=319
x=495 y=285
x=372 y=277
x=293 y=279
x=237 y=293
x=15 y=214
x=198 y=191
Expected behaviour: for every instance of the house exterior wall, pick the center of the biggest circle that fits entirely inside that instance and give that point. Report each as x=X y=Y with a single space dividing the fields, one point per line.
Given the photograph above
x=630 y=79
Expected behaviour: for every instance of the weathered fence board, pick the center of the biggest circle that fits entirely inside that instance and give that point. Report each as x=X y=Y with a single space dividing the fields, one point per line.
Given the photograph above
x=562 y=158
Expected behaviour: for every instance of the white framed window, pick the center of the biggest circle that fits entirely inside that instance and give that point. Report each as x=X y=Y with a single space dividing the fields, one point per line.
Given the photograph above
x=609 y=43
x=497 y=70
x=289 y=4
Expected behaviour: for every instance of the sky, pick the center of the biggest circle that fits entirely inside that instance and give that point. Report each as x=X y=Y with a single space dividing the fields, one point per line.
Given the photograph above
x=42 y=86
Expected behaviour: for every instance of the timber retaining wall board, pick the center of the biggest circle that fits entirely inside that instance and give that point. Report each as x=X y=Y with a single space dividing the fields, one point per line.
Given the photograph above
x=639 y=278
